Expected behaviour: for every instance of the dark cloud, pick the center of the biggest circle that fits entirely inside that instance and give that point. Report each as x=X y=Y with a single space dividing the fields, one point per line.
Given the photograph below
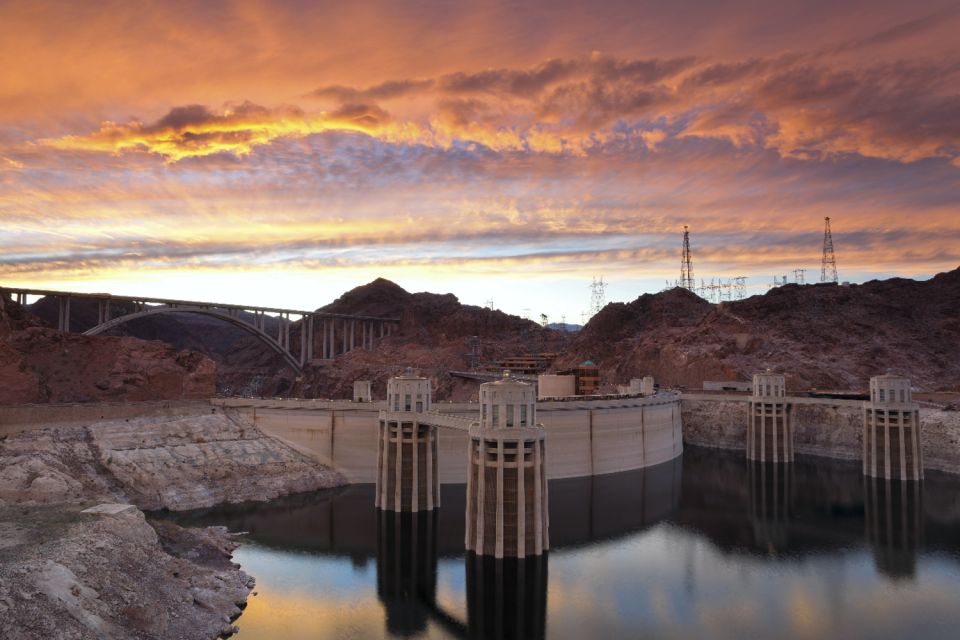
x=383 y=91
x=902 y=30
x=366 y=114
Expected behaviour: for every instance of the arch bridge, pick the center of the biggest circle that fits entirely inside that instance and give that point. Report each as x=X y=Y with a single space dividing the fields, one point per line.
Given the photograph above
x=336 y=333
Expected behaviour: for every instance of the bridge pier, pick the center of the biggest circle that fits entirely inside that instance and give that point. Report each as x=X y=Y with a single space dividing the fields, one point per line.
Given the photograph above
x=507 y=514
x=769 y=430
x=63 y=320
x=407 y=478
x=891 y=431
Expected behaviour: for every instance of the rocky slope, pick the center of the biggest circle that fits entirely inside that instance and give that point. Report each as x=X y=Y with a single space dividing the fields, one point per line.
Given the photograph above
x=69 y=574
x=432 y=338
x=75 y=576
x=40 y=364
x=175 y=463
x=824 y=336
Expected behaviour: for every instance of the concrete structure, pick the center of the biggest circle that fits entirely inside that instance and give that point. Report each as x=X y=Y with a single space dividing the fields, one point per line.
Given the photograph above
x=588 y=436
x=556 y=386
x=647 y=386
x=407 y=449
x=638 y=386
x=891 y=431
x=362 y=391
x=337 y=333
x=727 y=385
x=769 y=432
x=507 y=512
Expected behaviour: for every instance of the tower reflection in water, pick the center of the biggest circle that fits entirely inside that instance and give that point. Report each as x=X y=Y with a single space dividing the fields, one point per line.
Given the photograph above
x=894 y=524
x=506 y=598
x=771 y=499
x=407 y=569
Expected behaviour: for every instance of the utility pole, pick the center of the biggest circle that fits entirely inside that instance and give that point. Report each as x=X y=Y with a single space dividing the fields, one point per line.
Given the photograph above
x=828 y=266
x=686 y=263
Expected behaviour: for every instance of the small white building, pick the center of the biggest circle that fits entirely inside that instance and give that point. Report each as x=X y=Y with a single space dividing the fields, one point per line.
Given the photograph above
x=362 y=391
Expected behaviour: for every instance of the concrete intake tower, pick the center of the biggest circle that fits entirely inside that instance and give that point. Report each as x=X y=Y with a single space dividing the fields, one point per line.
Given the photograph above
x=891 y=431
x=407 y=449
x=769 y=431
x=506 y=474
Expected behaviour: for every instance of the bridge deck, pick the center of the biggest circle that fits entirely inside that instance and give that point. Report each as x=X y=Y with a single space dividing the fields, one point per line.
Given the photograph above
x=191 y=303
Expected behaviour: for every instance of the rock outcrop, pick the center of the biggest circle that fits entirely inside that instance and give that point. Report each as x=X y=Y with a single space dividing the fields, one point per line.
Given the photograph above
x=66 y=574
x=40 y=364
x=176 y=463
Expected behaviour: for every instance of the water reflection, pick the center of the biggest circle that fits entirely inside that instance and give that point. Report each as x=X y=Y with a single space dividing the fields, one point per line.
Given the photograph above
x=770 y=498
x=507 y=598
x=715 y=547
x=407 y=569
x=894 y=524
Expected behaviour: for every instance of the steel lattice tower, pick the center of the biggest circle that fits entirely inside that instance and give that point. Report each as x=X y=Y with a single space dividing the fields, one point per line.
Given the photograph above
x=686 y=263
x=828 y=266
x=598 y=298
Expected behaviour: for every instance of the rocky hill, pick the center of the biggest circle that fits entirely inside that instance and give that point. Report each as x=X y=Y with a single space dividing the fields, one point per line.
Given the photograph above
x=432 y=338
x=41 y=364
x=823 y=336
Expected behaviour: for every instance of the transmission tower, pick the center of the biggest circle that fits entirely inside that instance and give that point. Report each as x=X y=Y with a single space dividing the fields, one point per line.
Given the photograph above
x=740 y=286
x=598 y=298
x=798 y=276
x=686 y=263
x=828 y=266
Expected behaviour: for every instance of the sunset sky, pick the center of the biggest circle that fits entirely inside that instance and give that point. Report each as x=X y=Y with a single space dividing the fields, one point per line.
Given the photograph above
x=279 y=153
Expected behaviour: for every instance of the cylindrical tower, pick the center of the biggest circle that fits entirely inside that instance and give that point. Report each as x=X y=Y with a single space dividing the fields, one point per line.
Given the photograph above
x=506 y=474
x=406 y=449
x=891 y=431
x=769 y=431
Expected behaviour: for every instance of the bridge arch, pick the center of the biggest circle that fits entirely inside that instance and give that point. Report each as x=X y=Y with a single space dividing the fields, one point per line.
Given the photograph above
x=268 y=340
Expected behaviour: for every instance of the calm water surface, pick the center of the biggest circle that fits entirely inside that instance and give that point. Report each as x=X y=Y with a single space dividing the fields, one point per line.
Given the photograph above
x=703 y=547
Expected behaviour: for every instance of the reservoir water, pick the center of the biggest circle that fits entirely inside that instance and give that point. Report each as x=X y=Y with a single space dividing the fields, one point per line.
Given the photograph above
x=707 y=546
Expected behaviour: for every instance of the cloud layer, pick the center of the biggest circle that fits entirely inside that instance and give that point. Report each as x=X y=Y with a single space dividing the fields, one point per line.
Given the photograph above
x=481 y=141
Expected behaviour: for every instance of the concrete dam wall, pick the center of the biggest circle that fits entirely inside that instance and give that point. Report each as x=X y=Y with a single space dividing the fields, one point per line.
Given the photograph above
x=584 y=437
x=830 y=428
